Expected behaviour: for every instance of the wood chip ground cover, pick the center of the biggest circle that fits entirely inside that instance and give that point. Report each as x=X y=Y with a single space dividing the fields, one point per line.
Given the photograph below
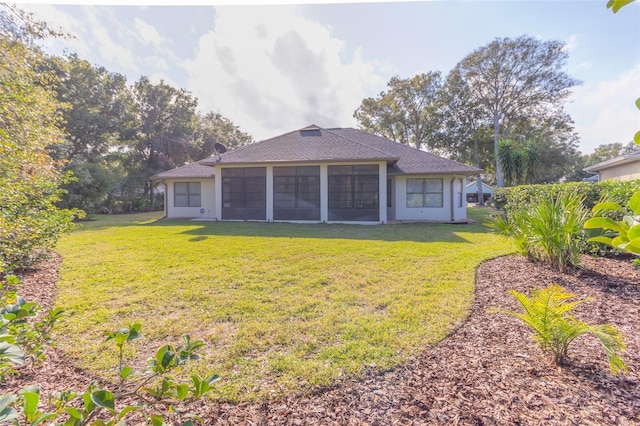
x=488 y=371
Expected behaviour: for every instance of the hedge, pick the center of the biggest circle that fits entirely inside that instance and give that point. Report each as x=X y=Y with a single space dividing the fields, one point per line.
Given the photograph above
x=520 y=197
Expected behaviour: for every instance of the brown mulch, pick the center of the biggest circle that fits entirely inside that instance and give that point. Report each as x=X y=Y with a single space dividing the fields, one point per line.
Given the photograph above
x=487 y=372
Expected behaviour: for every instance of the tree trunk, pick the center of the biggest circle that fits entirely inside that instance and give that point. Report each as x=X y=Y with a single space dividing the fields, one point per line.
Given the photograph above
x=477 y=163
x=496 y=138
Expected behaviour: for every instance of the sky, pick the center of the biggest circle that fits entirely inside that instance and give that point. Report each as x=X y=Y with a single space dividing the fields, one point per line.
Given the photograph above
x=273 y=68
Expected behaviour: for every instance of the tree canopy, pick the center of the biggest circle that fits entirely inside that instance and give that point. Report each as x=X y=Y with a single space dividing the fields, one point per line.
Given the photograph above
x=515 y=79
x=408 y=113
x=30 y=178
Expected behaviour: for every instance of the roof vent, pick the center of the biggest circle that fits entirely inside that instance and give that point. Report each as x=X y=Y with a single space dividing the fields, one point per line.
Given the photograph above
x=312 y=130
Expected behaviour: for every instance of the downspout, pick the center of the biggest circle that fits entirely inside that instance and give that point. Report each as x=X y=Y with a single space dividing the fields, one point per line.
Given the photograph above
x=166 y=195
x=452 y=203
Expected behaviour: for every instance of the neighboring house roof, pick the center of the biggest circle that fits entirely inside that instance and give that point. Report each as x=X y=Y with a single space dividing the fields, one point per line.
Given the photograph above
x=193 y=170
x=614 y=162
x=473 y=183
x=594 y=178
x=313 y=144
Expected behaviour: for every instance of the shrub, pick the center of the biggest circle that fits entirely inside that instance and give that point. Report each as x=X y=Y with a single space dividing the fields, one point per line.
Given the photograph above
x=142 y=392
x=549 y=231
x=623 y=234
x=547 y=313
x=521 y=197
x=21 y=336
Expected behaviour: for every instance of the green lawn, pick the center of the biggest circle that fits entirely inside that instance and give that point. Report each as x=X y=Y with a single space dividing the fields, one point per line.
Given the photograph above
x=282 y=306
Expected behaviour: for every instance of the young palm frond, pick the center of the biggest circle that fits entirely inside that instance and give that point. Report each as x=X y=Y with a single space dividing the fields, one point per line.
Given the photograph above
x=549 y=231
x=547 y=313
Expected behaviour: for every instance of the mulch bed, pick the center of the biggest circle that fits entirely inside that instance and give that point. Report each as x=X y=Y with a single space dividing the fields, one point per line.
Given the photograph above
x=487 y=372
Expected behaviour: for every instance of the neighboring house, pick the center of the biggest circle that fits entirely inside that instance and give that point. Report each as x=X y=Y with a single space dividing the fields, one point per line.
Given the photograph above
x=320 y=175
x=472 y=192
x=624 y=167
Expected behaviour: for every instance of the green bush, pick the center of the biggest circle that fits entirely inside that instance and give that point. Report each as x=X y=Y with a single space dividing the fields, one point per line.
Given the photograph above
x=547 y=312
x=549 y=231
x=521 y=197
x=22 y=334
x=148 y=393
x=623 y=234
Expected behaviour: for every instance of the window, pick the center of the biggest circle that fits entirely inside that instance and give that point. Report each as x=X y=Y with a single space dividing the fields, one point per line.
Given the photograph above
x=296 y=193
x=186 y=194
x=425 y=192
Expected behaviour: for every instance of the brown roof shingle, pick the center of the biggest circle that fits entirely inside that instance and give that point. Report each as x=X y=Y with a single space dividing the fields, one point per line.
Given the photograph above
x=314 y=143
x=193 y=170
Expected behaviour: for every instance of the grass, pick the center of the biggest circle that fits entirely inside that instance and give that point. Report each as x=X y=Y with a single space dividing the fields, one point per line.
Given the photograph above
x=283 y=307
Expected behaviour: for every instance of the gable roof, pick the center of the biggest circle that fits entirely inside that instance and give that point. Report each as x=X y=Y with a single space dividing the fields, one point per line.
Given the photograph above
x=617 y=161
x=473 y=184
x=193 y=170
x=315 y=144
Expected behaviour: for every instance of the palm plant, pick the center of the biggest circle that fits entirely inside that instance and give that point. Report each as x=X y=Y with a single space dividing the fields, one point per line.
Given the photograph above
x=547 y=313
x=509 y=161
x=548 y=232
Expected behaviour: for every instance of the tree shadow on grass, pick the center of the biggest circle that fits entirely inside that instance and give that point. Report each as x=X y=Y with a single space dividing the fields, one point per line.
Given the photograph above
x=414 y=232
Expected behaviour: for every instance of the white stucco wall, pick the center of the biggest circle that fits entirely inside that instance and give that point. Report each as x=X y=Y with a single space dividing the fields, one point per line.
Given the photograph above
x=446 y=213
x=629 y=171
x=460 y=199
x=207 y=200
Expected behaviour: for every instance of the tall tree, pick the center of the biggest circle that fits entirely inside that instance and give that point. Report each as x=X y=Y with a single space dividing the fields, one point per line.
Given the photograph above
x=165 y=124
x=608 y=151
x=30 y=222
x=215 y=128
x=514 y=79
x=464 y=120
x=409 y=112
x=555 y=141
x=98 y=121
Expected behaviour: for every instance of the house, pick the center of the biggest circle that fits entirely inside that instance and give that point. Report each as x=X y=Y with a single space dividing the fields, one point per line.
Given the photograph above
x=472 y=191
x=320 y=175
x=623 y=167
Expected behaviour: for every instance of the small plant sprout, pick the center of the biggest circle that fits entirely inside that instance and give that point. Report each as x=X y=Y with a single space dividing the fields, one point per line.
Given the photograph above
x=152 y=390
x=121 y=336
x=547 y=312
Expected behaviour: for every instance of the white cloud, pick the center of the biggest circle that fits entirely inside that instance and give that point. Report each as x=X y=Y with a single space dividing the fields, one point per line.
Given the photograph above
x=147 y=33
x=98 y=36
x=272 y=71
x=571 y=43
x=606 y=112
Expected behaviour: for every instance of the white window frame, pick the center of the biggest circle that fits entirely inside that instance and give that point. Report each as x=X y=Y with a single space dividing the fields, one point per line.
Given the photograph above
x=423 y=196
x=193 y=194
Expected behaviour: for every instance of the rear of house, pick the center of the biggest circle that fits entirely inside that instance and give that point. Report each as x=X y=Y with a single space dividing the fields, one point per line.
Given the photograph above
x=623 y=167
x=340 y=175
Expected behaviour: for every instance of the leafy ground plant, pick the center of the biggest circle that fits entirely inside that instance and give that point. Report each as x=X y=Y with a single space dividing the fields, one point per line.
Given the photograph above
x=547 y=312
x=145 y=393
x=622 y=234
x=21 y=335
x=549 y=232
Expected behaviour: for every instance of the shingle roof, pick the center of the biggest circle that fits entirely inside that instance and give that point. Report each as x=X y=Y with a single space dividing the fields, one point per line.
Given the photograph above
x=313 y=143
x=411 y=160
x=193 y=170
x=630 y=157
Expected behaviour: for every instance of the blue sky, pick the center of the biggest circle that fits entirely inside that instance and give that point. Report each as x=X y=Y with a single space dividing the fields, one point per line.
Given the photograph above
x=278 y=67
